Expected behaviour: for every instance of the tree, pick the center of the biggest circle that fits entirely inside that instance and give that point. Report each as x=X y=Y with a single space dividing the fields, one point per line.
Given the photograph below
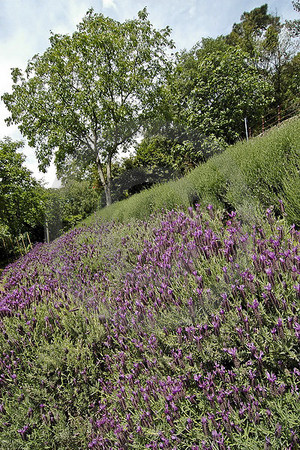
x=294 y=25
x=21 y=196
x=69 y=205
x=214 y=86
x=257 y=33
x=175 y=156
x=291 y=81
x=81 y=199
x=89 y=94
x=262 y=36
x=214 y=91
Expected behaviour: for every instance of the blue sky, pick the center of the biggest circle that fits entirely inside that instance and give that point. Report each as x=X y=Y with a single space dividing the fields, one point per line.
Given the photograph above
x=25 y=29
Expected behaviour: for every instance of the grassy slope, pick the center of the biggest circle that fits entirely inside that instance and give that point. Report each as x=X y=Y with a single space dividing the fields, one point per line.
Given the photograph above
x=248 y=177
x=179 y=332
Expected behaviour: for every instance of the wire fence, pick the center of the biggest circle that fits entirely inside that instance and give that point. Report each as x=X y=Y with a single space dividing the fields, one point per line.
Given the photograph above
x=275 y=118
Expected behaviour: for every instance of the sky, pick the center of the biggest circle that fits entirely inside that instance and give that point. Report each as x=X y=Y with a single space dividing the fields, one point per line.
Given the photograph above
x=25 y=27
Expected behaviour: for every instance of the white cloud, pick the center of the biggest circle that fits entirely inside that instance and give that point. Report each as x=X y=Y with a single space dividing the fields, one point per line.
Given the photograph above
x=109 y=4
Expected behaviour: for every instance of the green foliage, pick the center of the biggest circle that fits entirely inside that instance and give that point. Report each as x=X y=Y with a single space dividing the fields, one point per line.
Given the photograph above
x=80 y=199
x=4 y=231
x=262 y=36
x=257 y=32
x=21 y=196
x=212 y=89
x=90 y=93
x=214 y=92
x=180 y=155
x=294 y=25
x=248 y=177
x=68 y=205
x=58 y=359
x=290 y=81
x=154 y=152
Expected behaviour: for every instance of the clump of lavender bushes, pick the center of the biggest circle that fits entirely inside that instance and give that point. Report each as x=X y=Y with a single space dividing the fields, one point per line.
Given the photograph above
x=182 y=332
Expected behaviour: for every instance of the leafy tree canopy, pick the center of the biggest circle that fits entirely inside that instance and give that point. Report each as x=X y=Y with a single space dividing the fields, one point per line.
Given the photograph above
x=263 y=37
x=175 y=156
x=218 y=83
x=90 y=93
x=257 y=32
x=213 y=93
x=21 y=196
x=294 y=25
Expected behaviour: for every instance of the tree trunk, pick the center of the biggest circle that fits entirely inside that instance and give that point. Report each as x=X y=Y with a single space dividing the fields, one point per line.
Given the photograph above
x=107 y=195
x=106 y=183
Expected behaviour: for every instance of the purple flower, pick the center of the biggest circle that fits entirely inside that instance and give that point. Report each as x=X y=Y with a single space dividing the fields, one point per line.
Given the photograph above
x=271 y=377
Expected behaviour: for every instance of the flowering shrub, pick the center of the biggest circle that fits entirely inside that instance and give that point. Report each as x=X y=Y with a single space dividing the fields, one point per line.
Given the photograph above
x=181 y=332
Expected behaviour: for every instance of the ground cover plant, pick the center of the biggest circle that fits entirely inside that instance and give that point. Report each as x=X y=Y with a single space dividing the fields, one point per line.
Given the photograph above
x=247 y=177
x=179 y=332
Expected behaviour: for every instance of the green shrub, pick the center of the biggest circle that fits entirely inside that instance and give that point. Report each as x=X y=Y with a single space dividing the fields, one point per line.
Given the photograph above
x=247 y=177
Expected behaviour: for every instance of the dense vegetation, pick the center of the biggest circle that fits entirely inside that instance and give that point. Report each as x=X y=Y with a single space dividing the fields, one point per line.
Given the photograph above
x=179 y=331
x=169 y=319
x=26 y=206
x=90 y=94
x=97 y=97
x=21 y=206
x=247 y=177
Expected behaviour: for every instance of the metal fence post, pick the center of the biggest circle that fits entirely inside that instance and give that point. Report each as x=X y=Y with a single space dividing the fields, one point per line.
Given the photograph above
x=246 y=129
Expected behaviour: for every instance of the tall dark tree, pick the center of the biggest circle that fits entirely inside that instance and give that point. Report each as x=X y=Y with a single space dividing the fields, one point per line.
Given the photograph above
x=263 y=37
x=257 y=33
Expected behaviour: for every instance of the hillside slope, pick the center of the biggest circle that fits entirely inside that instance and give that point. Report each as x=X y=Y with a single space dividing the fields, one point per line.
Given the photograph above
x=248 y=177
x=179 y=332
